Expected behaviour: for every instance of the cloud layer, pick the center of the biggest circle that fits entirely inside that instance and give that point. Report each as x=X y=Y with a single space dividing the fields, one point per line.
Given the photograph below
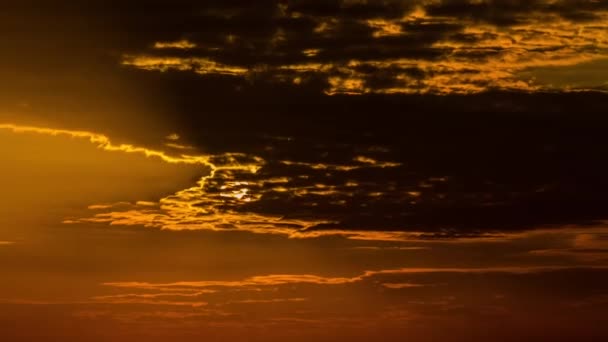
x=397 y=46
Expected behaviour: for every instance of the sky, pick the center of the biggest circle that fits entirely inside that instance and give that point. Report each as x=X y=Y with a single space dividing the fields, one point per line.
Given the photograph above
x=420 y=170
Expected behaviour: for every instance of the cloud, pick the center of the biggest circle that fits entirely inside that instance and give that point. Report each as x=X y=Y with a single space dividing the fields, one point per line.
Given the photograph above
x=427 y=285
x=269 y=280
x=409 y=159
x=286 y=279
x=586 y=247
x=392 y=164
x=411 y=47
x=181 y=44
x=104 y=143
x=443 y=171
x=379 y=299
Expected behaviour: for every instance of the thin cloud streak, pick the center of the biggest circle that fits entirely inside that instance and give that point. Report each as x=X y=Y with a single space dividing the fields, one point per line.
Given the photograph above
x=273 y=280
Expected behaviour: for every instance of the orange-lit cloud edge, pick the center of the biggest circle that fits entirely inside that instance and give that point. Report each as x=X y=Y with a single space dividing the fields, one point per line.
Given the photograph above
x=542 y=41
x=183 y=209
x=179 y=211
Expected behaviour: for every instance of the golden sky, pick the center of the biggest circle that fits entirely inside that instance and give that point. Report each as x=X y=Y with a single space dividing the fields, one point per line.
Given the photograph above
x=421 y=170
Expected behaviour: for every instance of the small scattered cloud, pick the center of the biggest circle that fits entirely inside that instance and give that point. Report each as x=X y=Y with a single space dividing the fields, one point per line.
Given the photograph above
x=179 y=44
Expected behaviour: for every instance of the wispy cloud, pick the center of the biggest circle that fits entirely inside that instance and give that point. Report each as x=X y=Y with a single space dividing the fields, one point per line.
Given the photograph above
x=220 y=293
x=273 y=280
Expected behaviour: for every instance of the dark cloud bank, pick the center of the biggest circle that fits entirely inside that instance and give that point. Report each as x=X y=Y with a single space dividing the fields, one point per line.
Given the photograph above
x=488 y=154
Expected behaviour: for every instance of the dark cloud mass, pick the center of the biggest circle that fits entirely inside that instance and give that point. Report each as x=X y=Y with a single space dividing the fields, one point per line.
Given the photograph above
x=452 y=46
x=470 y=164
x=409 y=116
x=443 y=165
x=346 y=46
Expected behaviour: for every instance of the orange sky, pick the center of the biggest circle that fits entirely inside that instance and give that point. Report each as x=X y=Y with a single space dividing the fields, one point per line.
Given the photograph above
x=399 y=170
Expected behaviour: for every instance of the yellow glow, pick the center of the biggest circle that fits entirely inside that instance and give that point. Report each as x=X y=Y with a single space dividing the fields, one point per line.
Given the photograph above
x=194 y=209
x=198 y=65
x=371 y=161
x=180 y=44
x=104 y=143
x=173 y=136
x=384 y=28
x=311 y=52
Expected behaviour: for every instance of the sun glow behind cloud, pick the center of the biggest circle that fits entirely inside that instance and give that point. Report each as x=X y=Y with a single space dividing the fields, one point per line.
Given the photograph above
x=195 y=208
x=188 y=209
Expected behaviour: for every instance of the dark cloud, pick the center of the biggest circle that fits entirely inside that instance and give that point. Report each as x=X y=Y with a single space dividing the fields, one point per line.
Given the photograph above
x=449 y=166
x=465 y=164
x=292 y=41
x=332 y=39
x=253 y=78
x=512 y=12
